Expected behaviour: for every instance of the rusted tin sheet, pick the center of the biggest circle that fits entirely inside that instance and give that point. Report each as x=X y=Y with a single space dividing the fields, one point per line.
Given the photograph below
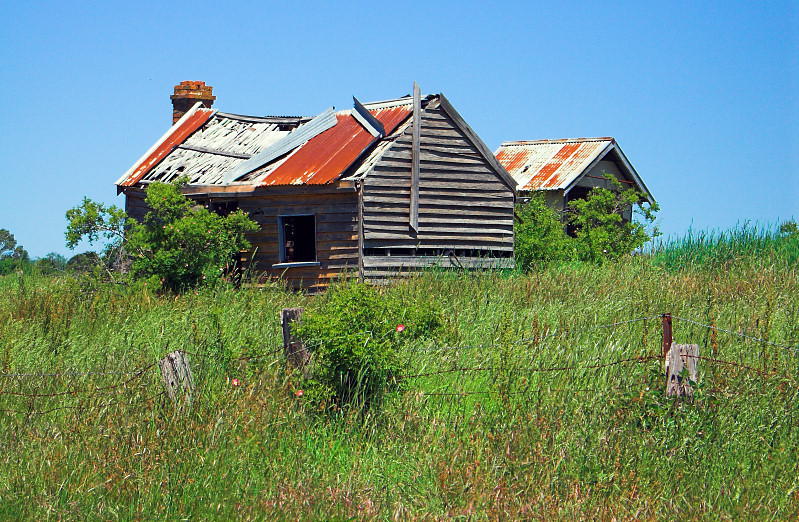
x=328 y=155
x=549 y=164
x=176 y=135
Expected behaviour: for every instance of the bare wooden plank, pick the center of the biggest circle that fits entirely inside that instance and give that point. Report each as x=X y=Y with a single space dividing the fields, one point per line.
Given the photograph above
x=415 y=156
x=497 y=245
x=439 y=156
x=385 y=262
x=449 y=239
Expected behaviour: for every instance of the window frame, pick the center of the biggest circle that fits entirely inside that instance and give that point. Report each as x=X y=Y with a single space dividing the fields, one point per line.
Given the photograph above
x=282 y=242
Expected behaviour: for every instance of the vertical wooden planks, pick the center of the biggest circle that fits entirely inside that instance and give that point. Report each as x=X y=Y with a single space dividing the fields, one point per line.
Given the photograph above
x=415 y=154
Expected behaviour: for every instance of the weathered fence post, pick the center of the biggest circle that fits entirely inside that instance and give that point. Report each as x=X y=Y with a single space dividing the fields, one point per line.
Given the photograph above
x=667 y=339
x=296 y=354
x=176 y=373
x=681 y=370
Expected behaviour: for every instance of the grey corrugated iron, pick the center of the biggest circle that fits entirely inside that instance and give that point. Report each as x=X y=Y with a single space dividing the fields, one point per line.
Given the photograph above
x=294 y=139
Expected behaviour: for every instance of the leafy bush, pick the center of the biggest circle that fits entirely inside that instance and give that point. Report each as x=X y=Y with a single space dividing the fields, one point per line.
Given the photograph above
x=52 y=263
x=601 y=231
x=354 y=334
x=178 y=244
x=540 y=236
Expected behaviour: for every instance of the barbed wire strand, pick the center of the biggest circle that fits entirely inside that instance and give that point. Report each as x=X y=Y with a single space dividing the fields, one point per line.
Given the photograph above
x=77 y=392
x=32 y=412
x=751 y=338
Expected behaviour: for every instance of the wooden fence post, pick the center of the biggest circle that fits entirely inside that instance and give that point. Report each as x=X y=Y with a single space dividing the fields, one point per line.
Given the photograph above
x=176 y=373
x=680 y=369
x=296 y=354
x=667 y=339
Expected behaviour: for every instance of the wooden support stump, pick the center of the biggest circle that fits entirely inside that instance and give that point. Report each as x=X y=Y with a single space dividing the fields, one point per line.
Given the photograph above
x=296 y=354
x=176 y=372
x=680 y=369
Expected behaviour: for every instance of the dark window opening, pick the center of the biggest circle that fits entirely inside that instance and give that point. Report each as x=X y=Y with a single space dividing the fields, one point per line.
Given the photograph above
x=223 y=208
x=297 y=239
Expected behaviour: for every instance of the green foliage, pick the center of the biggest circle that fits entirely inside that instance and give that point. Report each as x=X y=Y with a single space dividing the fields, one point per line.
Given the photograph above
x=540 y=236
x=84 y=262
x=12 y=256
x=178 y=245
x=508 y=439
x=716 y=250
x=354 y=334
x=789 y=228
x=51 y=263
x=92 y=221
x=602 y=233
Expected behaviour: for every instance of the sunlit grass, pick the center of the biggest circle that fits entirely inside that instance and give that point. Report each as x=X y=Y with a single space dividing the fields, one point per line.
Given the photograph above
x=490 y=430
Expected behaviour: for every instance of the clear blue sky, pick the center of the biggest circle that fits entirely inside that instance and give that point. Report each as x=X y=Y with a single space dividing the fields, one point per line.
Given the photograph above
x=701 y=96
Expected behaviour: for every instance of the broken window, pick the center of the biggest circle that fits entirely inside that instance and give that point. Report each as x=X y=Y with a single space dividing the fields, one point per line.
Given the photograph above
x=297 y=238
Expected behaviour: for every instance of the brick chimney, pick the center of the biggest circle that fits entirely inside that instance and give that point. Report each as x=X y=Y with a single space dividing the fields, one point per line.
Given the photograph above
x=189 y=93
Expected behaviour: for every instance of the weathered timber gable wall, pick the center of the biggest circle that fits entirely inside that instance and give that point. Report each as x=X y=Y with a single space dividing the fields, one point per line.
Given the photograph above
x=464 y=206
x=336 y=235
x=336 y=212
x=135 y=206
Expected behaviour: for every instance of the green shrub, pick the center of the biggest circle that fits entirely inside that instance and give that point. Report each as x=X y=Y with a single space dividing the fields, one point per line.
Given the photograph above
x=540 y=235
x=177 y=245
x=354 y=334
x=601 y=231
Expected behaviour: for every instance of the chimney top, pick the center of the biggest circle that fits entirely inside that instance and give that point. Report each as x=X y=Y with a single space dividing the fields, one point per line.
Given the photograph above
x=187 y=94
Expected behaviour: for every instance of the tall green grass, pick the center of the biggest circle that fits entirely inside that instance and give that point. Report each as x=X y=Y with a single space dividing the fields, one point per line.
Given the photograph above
x=713 y=249
x=481 y=428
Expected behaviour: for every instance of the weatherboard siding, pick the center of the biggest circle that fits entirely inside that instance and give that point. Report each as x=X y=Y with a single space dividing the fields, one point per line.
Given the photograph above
x=336 y=232
x=463 y=203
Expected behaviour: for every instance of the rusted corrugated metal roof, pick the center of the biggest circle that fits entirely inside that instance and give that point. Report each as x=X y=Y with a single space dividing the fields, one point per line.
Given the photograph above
x=328 y=155
x=177 y=134
x=226 y=141
x=550 y=164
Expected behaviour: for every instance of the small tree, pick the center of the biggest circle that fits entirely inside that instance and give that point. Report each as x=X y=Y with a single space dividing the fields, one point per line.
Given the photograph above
x=601 y=231
x=12 y=256
x=178 y=243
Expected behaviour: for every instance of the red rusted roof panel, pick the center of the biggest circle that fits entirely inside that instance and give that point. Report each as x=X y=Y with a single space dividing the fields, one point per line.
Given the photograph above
x=549 y=164
x=177 y=136
x=329 y=154
x=511 y=160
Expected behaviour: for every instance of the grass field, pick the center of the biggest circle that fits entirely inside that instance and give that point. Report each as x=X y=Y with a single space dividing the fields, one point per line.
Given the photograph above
x=542 y=398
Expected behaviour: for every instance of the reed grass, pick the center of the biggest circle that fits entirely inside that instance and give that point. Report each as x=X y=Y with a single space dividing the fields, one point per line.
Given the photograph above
x=481 y=428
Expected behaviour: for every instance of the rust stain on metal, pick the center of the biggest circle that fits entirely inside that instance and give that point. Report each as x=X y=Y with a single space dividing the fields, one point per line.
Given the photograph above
x=178 y=136
x=512 y=161
x=549 y=164
x=545 y=176
x=326 y=156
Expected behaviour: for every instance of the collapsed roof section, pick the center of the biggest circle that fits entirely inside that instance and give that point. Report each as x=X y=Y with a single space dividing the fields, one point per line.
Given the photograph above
x=208 y=147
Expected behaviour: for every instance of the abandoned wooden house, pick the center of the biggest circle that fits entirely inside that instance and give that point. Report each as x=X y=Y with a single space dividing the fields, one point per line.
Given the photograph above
x=383 y=188
x=566 y=170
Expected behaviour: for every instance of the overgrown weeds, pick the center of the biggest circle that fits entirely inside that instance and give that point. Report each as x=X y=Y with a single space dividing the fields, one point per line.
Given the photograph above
x=535 y=397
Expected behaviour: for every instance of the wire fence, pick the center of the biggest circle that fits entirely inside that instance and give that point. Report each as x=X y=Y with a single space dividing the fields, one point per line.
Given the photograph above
x=41 y=380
